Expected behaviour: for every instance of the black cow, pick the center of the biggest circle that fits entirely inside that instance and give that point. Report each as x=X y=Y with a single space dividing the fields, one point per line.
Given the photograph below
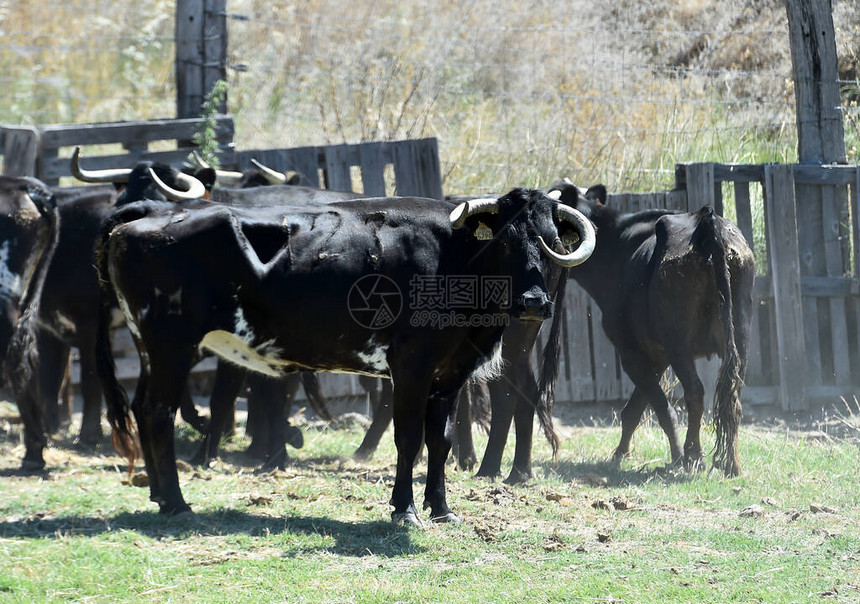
x=70 y=297
x=672 y=287
x=514 y=395
x=29 y=227
x=282 y=289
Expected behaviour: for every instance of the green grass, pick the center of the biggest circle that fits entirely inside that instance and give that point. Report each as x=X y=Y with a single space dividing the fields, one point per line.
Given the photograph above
x=319 y=530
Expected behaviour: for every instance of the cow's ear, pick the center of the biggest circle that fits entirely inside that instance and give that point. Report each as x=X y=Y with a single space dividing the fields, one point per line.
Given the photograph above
x=207 y=176
x=597 y=194
x=482 y=226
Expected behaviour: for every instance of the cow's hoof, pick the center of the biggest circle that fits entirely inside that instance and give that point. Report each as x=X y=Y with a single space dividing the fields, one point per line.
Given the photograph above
x=518 y=477
x=294 y=437
x=619 y=455
x=693 y=463
x=32 y=466
x=362 y=455
x=407 y=518
x=176 y=511
x=449 y=517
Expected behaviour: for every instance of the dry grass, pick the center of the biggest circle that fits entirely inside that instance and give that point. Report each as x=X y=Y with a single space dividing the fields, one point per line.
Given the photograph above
x=517 y=93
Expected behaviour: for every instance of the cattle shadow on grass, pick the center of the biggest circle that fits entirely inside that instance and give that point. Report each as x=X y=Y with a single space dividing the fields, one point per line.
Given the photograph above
x=607 y=473
x=358 y=539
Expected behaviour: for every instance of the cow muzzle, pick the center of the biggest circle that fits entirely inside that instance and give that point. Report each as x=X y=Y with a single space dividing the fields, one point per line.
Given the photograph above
x=533 y=306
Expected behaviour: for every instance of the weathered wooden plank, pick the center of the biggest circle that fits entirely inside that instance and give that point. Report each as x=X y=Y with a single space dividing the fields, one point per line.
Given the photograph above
x=676 y=200
x=607 y=385
x=805 y=174
x=782 y=221
x=190 y=57
x=755 y=356
x=416 y=168
x=700 y=186
x=214 y=47
x=68 y=135
x=743 y=211
x=372 y=169
x=305 y=161
x=336 y=168
x=578 y=349
x=20 y=150
x=738 y=173
x=835 y=240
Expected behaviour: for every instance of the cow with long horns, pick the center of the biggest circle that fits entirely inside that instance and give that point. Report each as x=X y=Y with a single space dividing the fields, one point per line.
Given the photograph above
x=333 y=288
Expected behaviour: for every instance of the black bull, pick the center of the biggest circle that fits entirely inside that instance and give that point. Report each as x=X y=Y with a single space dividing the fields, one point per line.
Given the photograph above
x=29 y=229
x=280 y=290
x=672 y=287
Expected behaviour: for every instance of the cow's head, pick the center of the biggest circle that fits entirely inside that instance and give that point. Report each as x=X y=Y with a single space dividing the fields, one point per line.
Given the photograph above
x=147 y=180
x=585 y=201
x=520 y=230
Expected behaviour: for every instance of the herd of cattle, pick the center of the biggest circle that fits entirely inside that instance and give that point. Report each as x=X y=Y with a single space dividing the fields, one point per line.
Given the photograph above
x=280 y=281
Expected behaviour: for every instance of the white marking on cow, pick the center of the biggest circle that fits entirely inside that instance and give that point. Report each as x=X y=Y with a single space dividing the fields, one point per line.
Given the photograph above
x=117 y=318
x=492 y=367
x=375 y=357
x=10 y=282
x=242 y=328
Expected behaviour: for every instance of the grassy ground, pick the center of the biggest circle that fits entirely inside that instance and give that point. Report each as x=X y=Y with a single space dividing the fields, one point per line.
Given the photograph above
x=582 y=530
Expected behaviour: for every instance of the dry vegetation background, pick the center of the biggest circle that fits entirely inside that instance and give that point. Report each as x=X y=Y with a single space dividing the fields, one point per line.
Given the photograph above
x=516 y=92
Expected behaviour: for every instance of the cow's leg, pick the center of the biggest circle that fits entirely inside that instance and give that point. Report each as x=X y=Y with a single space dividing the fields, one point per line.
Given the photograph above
x=189 y=412
x=382 y=416
x=524 y=414
x=30 y=407
x=438 y=428
x=274 y=403
x=643 y=394
x=227 y=384
x=694 y=398
x=503 y=402
x=138 y=409
x=91 y=419
x=53 y=360
x=168 y=377
x=464 y=444
x=412 y=377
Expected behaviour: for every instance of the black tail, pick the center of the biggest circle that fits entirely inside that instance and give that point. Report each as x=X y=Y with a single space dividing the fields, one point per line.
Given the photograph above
x=708 y=239
x=311 y=383
x=118 y=408
x=22 y=357
x=550 y=358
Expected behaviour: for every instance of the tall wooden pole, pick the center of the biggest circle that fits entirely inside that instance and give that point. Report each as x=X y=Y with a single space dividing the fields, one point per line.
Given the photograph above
x=201 y=52
x=819 y=209
x=821 y=137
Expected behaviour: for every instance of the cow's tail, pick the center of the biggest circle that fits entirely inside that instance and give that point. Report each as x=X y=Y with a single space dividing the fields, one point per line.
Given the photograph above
x=22 y=356
x=550 y=358
x=708 y=239
x=124 y=436
x=311 y=383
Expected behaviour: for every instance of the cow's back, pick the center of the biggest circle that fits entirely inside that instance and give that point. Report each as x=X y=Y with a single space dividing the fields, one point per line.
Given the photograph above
x=683 y=295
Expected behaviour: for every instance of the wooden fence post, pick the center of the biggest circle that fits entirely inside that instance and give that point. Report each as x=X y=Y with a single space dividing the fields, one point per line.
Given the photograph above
x=201 y=53
x=20 y=151
x=702 y=189
x=785 y=262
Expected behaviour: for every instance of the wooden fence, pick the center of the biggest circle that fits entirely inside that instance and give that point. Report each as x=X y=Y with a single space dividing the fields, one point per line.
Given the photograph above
x=806 y=327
